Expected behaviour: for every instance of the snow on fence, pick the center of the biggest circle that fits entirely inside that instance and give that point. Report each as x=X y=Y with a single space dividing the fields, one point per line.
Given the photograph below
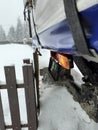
x=30 y=98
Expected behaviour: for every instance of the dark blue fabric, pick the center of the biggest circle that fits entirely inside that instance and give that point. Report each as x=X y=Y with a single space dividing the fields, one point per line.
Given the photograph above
x=91 y=15
x=59 y=37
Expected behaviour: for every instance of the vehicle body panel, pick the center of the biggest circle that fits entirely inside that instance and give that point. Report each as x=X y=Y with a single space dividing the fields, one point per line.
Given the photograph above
x=58 y=36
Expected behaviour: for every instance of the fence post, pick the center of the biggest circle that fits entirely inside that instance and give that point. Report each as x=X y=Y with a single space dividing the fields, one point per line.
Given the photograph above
x=2 y=124
x=27 y=61
x=13 y=96
x=36 y=68
x=30 y=97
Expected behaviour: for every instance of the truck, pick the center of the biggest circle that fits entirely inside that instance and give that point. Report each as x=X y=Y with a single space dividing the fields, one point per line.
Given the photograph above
x=69 y=30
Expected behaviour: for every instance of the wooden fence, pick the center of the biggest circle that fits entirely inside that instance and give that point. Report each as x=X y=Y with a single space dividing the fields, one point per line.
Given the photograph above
x=30 y=98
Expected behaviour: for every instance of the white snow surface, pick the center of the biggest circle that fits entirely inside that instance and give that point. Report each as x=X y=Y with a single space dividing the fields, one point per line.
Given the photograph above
x=13 y=54
x=59 y=111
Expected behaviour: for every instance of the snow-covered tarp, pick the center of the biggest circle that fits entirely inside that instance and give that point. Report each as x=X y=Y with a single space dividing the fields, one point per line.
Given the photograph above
x=49 y=12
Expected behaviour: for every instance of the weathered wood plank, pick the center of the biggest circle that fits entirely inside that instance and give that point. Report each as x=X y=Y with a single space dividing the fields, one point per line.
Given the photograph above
x=30 y=97
x=13 y=97
x=2 y=124
x=27 y=61
x=36 y=68
x=4 y=86
x=22 y=126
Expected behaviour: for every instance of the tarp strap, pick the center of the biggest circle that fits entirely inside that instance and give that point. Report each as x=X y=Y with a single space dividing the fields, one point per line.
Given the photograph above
x=75 y=26
x=29 y=7
x=36 y=34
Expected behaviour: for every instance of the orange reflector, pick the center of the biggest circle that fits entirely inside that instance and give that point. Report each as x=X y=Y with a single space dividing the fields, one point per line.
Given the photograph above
x=63 y=61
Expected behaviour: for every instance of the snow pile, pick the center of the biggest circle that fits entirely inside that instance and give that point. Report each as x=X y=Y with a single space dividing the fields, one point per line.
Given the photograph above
x=77 y=75
x=60 y=112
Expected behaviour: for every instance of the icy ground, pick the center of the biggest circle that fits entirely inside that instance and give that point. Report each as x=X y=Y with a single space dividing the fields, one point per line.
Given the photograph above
x=58 y=109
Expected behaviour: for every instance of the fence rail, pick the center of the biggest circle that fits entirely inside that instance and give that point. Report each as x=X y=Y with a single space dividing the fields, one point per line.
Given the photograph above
x=30 y=98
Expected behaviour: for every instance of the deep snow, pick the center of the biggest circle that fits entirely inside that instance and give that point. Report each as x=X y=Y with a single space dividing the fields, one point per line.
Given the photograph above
x=58 y=109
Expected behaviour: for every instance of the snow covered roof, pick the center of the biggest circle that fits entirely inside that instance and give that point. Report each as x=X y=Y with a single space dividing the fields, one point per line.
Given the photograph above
x=49 y=12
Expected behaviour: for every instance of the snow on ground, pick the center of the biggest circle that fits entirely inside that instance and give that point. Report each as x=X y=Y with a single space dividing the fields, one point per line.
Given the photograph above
x=58 y=109
x=60 y=112
x=13 y=54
